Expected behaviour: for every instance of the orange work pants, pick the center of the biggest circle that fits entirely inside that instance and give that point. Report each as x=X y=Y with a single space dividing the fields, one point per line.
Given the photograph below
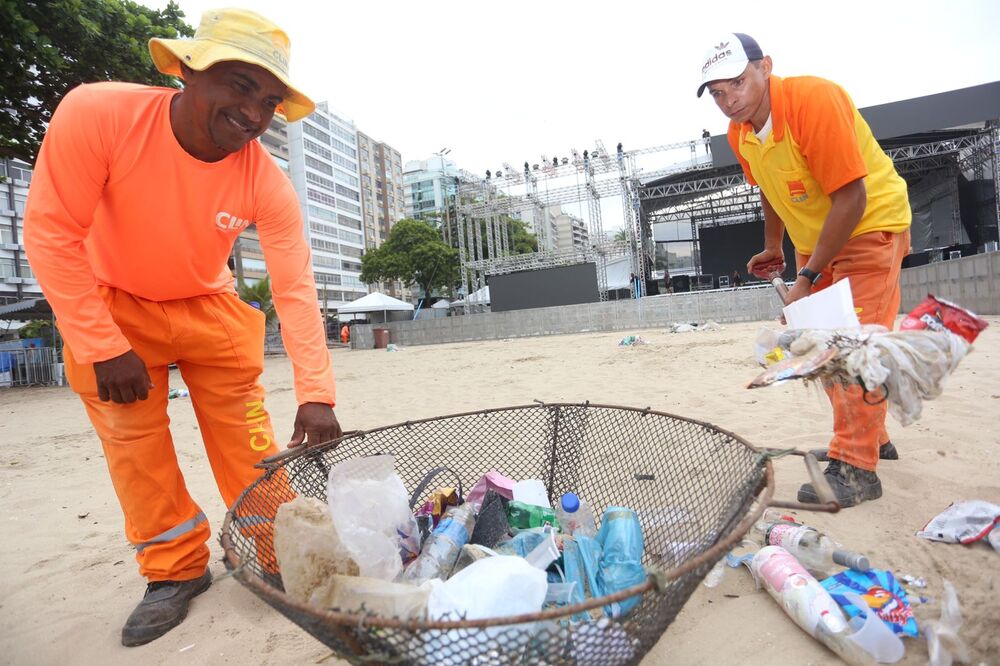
x=217 y=342
x=872 y=261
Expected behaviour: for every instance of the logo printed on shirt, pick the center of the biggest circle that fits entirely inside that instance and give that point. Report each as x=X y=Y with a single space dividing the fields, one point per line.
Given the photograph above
x=797 y=191
x=229 y=222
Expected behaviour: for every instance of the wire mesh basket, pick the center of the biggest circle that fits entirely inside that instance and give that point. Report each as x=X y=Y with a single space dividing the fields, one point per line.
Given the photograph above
x=691 y=484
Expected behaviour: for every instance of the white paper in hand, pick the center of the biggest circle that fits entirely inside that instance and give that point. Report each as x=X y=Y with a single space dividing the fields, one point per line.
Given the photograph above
x=831 y=308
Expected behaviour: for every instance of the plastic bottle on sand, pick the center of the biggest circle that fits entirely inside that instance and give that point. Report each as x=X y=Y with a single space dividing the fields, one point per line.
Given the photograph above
x=817 y=552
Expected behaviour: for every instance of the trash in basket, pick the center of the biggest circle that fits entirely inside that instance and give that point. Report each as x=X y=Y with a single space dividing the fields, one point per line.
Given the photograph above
x=600 y=600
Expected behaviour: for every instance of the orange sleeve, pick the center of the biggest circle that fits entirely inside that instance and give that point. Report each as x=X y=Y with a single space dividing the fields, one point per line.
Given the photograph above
x=822 y=121
x=68 y=181
x=293 y=288
x=734 y=142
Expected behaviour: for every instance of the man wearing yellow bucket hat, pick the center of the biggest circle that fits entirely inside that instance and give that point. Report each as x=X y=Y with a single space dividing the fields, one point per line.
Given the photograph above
x=138 y=196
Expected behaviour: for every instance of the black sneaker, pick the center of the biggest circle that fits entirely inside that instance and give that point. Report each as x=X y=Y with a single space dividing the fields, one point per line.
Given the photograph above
x=164 y=606
x=885 y=452
x=852 y=485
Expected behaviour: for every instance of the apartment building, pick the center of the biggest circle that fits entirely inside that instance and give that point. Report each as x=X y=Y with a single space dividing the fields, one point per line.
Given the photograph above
x=323 y=166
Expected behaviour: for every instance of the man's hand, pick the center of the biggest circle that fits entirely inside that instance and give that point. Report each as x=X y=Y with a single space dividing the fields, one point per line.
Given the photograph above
x=765 y=262
x=122 y=379
x=315 y=423
x=801 y=289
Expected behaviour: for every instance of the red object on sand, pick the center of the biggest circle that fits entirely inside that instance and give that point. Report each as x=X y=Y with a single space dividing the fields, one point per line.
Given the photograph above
x=938 y=314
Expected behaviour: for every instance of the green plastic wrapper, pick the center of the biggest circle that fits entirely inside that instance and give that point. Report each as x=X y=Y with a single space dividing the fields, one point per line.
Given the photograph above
x=523 y=516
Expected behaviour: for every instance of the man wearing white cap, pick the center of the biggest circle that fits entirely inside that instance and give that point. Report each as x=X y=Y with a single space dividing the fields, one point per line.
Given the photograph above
x=825 y=180
x=138 y=196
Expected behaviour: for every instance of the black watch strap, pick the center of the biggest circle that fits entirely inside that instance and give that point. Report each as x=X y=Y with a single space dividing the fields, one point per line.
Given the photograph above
x=812 y=276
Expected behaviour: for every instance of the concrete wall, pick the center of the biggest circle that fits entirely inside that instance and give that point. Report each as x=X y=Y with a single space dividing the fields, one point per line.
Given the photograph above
x=973 y=282
x=721 y=306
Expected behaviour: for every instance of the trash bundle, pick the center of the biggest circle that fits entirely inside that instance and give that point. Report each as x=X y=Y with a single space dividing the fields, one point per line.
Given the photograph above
x=501 y=551
x=902 y=367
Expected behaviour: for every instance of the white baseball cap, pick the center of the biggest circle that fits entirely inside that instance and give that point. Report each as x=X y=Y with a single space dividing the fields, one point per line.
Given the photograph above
x=728 y=57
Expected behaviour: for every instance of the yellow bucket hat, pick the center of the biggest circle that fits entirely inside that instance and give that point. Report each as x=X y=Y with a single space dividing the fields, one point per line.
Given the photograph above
x=234 y=34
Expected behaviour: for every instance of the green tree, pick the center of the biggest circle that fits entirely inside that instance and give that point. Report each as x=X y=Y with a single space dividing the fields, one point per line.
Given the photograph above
x=522 y=240
x=259 y=293
x=415 y=254
x=38 y=328
x=621 y=236
x=50 y=46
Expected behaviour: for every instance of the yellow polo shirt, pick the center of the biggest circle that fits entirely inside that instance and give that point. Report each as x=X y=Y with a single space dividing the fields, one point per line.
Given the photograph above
x=819 y=143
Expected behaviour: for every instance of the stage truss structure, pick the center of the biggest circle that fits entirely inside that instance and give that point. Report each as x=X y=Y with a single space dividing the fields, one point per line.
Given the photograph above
x=594 y=176
x=689 y=188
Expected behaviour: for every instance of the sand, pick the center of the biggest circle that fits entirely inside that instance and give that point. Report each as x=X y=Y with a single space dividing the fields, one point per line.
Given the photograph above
x=70 y=579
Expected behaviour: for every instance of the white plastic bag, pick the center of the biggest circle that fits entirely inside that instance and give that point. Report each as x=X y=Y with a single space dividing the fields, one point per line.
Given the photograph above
x=944 y=645
x=913 y=365
x=371 y=513
x=490 y=587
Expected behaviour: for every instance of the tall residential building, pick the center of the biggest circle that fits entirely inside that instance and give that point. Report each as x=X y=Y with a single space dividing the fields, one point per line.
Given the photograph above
x=544 y=223
x=429 y=185
x=571 y=232
x=381 y=188
x=381 y=198
x=323 y=164
x=17 y=282
x=248 y=258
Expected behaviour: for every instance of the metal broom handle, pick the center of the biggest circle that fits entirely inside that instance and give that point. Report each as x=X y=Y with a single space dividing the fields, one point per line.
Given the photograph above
x=779 y=285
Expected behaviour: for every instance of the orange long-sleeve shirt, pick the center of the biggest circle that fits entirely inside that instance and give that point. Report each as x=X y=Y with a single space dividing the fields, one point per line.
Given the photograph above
x=116 y=201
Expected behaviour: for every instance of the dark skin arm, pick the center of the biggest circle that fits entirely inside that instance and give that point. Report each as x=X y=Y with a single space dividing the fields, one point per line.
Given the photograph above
x=848 y=207
x=124 y=379
x=772 y=258
x=315 y=423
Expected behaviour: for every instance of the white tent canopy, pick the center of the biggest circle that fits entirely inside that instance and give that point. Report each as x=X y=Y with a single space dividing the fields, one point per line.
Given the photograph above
x=442 y=304
x=375 y=302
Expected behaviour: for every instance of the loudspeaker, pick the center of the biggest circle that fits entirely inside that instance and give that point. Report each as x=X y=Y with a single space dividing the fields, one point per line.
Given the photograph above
x=680 y=283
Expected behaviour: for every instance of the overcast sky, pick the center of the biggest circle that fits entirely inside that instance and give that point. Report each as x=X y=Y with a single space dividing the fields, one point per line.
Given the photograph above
x=509 y=81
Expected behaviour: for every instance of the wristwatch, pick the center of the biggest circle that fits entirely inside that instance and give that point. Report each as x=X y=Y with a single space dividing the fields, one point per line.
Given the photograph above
x=812 y=276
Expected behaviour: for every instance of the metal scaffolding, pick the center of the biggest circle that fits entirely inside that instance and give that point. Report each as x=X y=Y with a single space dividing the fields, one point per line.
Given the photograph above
x=680 y=188
x=724 y=197
x=532 y=190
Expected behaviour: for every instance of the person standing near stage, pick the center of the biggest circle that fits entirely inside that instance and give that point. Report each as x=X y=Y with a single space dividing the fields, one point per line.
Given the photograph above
x=138 y=196
x=824 y=179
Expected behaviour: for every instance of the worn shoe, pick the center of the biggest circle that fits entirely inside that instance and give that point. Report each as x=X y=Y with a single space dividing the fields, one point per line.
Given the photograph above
x=885 y=452
x=164 y=606
x=852 y=485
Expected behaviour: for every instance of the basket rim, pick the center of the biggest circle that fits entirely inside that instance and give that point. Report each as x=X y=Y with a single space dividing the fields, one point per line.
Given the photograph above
x=655 y=581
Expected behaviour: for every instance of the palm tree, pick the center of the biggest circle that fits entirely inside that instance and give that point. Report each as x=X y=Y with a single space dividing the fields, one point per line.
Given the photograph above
x=259 y=293
x=621 y=235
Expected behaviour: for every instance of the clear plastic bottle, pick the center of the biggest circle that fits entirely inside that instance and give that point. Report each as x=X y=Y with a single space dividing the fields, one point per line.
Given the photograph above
x=817 y=552
x=575 y=516
x=441 y=549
